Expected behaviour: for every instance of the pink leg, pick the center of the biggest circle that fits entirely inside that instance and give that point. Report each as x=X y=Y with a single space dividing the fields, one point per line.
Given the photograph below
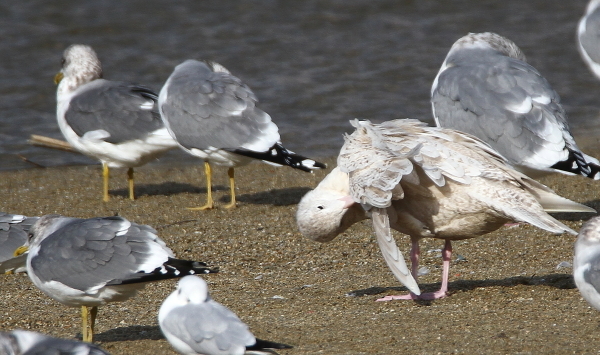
x=442 y=292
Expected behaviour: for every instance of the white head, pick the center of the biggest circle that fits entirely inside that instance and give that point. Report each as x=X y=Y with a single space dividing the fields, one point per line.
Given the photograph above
x=328 y=210
x=80 y=65
x=191 y=289
x=490 y=40
x=45 y=226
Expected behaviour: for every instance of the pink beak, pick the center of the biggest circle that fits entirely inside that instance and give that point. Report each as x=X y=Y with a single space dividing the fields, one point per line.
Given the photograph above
x=348 y=201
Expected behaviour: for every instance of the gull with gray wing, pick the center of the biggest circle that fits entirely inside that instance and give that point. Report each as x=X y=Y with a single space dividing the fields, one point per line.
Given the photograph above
x=90 y=262
x=586 y=262
x=588 y=37
x=213 y=116
x=426 y=182
x=23 y=342
x=13 y=234
x=486 y=88
x=115 y=122
x=196 y=324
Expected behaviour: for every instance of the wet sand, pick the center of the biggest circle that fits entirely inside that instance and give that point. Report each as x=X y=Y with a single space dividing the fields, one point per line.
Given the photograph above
x=507 y=295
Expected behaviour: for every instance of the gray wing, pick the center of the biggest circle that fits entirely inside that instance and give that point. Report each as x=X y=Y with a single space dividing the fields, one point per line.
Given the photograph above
x=13 y=233
x=8 y=344
x=89 y=253
x=589 y=36
x=205 y=106
x=125 y=111
x=53 y=346
x=592 y=274
x=210 y=321
x=505 y=102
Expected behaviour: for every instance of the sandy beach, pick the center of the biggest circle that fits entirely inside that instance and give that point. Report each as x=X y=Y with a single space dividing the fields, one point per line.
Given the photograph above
x=507 y=294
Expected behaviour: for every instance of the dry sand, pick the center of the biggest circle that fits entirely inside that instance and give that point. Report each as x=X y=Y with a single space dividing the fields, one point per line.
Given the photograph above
x=507 y=296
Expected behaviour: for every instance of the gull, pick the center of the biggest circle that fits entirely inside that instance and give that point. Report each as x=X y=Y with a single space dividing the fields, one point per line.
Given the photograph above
x=115 y=122
x=196 y=324
x=13 y=234
x=426 y=182
x=22 y=342
x=486 y=88
x=588 y=37
x=586 y=262
x=213 y=116
x=89 y=262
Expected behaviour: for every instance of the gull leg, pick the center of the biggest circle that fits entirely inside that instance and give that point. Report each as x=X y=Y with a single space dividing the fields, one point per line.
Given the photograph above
x=446 y=256
x=443 y=291
x=231 y=204
x=131 y=184
x=88 y=318
x=105 y=176
x=209 y=200
x=415 y=252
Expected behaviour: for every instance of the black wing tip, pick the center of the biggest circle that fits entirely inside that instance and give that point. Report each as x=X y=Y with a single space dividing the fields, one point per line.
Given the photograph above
x=278 y=154
x=173 y=268
x=266 y=344
x=576 y=164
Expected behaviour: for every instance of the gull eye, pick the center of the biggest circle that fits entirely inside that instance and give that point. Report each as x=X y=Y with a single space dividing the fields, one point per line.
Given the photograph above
x=62 y=62
x=320 y=207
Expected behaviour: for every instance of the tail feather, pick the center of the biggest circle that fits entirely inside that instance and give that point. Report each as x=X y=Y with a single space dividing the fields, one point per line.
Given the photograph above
x=278 y=154
x=173 y=268
x=262 y=346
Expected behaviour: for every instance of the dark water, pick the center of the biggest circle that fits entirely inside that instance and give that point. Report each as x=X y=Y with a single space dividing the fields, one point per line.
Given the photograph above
x=313 y=64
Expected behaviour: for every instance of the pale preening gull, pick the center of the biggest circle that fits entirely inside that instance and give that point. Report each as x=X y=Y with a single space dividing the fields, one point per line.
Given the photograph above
x=115 y=122
x=427 y=182
x=90 y=262
x=588 y=37
x=196 y=324
x=586 y=263
x=486 y=88
x=13 y=234
x=213 y=116
x=22 y=342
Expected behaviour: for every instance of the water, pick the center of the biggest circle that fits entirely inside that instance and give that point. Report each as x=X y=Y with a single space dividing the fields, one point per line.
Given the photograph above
x=314 y=65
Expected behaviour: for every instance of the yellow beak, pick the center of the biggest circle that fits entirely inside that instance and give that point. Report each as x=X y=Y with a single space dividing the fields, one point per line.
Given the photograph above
x=58 y=77
x=21 y=250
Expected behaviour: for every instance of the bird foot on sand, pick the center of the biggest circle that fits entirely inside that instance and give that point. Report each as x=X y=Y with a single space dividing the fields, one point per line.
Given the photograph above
x=411 y=296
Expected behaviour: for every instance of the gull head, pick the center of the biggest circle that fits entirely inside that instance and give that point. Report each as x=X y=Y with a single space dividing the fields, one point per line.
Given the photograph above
x=191 y=289
x=80 y=65
x=328 y=210
x=492 y=41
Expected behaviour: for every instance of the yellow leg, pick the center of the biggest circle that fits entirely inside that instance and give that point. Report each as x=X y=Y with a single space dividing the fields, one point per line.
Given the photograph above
x=231 y=204
x=88 y=320
x=210 y=204
x=130 y=180
x=105 y=176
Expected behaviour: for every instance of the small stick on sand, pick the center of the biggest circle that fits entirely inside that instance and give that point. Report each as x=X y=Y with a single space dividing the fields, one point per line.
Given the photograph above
x=48 y=142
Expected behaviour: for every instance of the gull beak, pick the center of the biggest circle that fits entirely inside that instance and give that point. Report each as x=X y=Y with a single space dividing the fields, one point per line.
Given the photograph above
x=21 y=250
x=58 y=77
x=348 y=201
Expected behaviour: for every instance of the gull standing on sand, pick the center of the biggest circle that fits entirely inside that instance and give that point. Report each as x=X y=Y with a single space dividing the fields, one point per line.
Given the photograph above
x=22 y=342
x=588 y=37
x=486 y=88
x=196 y=324
x=427 y=182
x=115 y=122
x=13 y=234
x=586 y=263
x=213 y=116
x=90 y=262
